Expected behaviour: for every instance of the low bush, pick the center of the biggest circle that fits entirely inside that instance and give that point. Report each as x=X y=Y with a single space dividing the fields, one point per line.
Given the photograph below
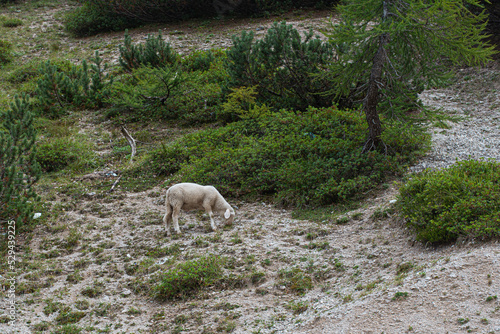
x=295 y=280
x=202 y=60
x=460 y=201
x=188 y=278
x=97 y=16
x=170 y=93
x=55 y=154
x=313 y=158
x=90 y=19
x=24 y=73
x=10 y=22
x=241 y=104
x=5 y=52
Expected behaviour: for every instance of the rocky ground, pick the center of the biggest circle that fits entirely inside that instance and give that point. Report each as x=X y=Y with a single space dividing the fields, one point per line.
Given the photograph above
x=357 y=272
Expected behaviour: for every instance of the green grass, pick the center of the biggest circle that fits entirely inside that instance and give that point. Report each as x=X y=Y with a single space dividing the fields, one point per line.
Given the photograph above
x=187 y=278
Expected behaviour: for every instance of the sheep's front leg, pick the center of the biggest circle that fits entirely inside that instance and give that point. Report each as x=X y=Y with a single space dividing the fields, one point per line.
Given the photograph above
x=208 y=209
x=175 y=218
x=212 y=222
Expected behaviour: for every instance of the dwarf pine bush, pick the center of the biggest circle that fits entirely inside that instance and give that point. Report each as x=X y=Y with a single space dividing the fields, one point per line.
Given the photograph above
x=283 y=66
x=19 y=170
x=460 y=201
x=154 y=53
x=85 y=86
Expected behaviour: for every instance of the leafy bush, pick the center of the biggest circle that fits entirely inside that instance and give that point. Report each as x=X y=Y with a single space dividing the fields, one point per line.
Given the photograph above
x=24 y=72
x=97 y=16
x=295 y=280
x=90 y=20
x=312 y=158
x=463 y=200
x=5 y=52
x=170 y=93
x=54 y=154
x=155 y=53
x=188 y=278
x=282 y=67
x=241 y=104
x=10 y=22
x=202 y=60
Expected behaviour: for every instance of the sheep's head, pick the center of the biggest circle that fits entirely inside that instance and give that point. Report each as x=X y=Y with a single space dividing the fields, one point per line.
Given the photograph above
x=229 y=216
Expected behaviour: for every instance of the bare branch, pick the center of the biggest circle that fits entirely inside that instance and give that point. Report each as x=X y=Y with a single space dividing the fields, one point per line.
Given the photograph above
x=131 y=142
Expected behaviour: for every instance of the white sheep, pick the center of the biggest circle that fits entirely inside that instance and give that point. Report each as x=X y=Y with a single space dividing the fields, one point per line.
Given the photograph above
x=192 y=196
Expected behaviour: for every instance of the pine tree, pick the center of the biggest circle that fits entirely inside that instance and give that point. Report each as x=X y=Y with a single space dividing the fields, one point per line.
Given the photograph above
x=19 y=169
x=390 y=50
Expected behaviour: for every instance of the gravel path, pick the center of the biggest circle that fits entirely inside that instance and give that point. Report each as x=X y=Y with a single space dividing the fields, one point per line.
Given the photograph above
x=475 y=98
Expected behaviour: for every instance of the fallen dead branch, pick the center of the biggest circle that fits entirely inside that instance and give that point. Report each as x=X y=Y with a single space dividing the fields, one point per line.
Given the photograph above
x=131 y=142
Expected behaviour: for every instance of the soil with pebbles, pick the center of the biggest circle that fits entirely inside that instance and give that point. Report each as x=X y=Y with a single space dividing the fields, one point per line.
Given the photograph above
x=368 y=274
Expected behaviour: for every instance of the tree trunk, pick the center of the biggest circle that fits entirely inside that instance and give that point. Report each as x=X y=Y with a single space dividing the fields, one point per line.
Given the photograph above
x=374 y=140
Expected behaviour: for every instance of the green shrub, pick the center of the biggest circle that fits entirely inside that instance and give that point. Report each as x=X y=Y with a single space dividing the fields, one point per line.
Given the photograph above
x=10 y=22
x=201 y=60
x=90 y=19
x=169 y=93
x=188 y=278
x=241 y=104
x=462 y=200
x=5 y=52
x=295 y=280
x=67 y=316
x=54 y=154
x=67 y=329
x=283 y=67
x=312 y=158
x=24 y=72
x=102 y=15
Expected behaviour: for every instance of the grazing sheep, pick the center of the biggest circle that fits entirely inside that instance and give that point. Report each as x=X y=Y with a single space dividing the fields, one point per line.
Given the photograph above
x=192 y=196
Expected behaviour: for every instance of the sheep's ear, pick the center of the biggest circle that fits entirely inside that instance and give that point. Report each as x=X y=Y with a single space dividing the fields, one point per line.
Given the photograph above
x=227 y=214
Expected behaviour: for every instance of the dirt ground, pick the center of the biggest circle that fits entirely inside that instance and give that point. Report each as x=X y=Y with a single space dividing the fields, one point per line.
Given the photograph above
x=367 y=273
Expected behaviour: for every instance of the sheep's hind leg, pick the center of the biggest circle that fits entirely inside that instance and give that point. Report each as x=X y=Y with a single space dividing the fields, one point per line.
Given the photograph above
x=175 y=218
x=167 y=219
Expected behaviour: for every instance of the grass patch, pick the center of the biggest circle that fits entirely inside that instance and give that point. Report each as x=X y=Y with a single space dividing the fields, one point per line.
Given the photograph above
x=10 y=22
x=400 y=295
x=295 y=280
x=188 y=278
